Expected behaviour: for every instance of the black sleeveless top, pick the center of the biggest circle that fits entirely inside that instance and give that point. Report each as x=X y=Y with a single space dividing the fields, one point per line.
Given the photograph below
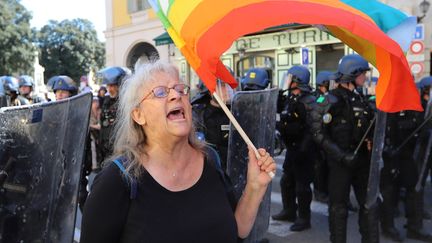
x=201 y=213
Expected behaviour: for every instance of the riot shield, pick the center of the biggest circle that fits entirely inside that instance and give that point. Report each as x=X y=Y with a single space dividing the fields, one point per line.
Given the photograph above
x=422 y=156
x=376 y=159
x=3 y=100
x=256 y=113
x=41 y=152
x=423 y=146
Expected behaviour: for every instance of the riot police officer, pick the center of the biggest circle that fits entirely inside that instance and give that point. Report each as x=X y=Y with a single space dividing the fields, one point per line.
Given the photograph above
x=63 y=87
x=112 y=77
x=11 y=88
x=400 y=170
x=298 y=164
x=339 y=124
x=26 y=87
x=210 y=120
x=255 y=79
x=323 y=80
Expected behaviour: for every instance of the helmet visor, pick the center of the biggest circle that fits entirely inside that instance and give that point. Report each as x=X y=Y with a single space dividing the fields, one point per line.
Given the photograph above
x=224 y=91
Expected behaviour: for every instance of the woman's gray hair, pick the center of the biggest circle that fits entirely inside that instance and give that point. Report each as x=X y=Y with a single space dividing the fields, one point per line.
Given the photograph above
x=129 y=137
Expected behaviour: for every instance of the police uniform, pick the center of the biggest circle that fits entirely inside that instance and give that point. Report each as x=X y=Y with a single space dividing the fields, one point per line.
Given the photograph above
x=298 y=165
x=345 y=123
x=320 y=181
x=213 y=123
x=339 y=123
x=400 y=170
x=109 y=76
x=299 y=159
x=107 y=119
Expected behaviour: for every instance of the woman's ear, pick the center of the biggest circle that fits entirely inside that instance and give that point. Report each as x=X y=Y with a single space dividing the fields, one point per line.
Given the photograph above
x=138 y=116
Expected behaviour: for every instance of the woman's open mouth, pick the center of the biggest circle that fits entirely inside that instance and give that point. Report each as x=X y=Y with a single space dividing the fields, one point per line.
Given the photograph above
x=176 y=114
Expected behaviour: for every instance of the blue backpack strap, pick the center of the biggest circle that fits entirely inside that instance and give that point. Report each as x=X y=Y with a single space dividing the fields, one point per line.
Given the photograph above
x=120 y=161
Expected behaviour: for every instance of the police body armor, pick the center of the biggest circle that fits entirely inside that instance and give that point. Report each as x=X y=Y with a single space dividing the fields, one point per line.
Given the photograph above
x=295 y=123
x=41 y=151
x=256 y=113
x=108 y=117
x=345 y=117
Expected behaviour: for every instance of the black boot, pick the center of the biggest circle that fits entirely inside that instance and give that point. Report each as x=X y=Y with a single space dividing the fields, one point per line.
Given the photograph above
x=285 y=215
x=369 y=226
x=288 y=213
x=338 y=223
x=301 y=224
x=304 y=198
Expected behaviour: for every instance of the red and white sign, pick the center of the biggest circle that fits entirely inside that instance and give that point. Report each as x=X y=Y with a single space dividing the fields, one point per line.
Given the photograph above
x=417 y=67
x=417 y=47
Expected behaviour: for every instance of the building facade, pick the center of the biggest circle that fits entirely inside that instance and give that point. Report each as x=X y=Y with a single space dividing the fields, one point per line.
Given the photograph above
x=134 y=34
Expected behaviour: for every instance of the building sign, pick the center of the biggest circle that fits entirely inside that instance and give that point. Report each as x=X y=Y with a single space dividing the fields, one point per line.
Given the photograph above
x=417 y=67
x=419 y=32
x=305 y=56
x=417 y=47
x=283 y=39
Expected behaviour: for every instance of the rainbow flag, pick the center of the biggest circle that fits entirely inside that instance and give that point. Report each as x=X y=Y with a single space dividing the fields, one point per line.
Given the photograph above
x=204 y=29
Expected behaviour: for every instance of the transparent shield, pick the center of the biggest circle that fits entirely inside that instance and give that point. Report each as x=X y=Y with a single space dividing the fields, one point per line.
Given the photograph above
x=286 y=81
x=256 y=113
x=41 y=151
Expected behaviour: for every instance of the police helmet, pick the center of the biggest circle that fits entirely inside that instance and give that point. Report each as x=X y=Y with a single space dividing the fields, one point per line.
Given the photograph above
x=255 y=79
x=350 y=67
x=25 y=80
x=10 y=84
x=323 y=77
x=301 y=76
x=202 y=87
x=113 y=75
x=426 y=81
x=63 y=82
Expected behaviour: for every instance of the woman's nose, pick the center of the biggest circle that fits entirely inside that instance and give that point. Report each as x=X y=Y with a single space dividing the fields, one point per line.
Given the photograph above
x=173 y=95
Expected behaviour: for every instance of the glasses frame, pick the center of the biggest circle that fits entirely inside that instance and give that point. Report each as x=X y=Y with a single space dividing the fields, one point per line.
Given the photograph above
x=167 y=91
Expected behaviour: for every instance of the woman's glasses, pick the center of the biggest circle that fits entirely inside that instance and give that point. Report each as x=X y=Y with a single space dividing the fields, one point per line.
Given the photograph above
x=163 y=91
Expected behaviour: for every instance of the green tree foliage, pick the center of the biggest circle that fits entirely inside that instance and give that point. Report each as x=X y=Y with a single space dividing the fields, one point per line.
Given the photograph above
x=17 y=51
x=70 y=47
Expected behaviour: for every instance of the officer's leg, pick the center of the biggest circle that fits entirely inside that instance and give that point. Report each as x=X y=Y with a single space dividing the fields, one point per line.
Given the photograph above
x=303 y=172
x=289 y=210
x=414 y=203
x=339 y=188
x=368 y=217
x=320 y=179
x=426 y=213
x=304 y=198
x=388 y=192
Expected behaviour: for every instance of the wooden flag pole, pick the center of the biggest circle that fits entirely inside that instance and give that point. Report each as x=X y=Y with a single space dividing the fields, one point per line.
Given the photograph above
x=239 y=128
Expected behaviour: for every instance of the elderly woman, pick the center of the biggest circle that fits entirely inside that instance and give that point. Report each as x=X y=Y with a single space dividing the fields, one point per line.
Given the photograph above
x=179 y=195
